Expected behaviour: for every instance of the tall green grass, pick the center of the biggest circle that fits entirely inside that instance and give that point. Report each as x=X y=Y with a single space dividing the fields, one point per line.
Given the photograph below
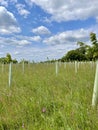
x=38 y=99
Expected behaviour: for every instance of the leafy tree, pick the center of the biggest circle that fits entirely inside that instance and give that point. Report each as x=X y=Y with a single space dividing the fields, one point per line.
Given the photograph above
x=93 y=38
x=78 y=54
x=84 y=52
x=8 y=58
x=94 y=45
x=81 y=44
x=3 y=60
x=89 y=53
x=83 y=47
x=74 y=55
x=14 y=61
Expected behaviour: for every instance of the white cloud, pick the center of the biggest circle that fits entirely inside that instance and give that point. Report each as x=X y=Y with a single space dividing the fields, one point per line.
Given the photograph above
x=35 y=38
x=65 y=10
x=4 y=3
x=68 y=37
x=42 y=30
x=22 y=11
x=8 y=23
x=23 y=42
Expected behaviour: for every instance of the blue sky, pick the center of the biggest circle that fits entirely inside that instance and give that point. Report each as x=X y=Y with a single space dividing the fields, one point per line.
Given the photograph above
x=37 y=29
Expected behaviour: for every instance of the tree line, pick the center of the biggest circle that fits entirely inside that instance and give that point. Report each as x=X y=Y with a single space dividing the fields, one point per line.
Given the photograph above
x=7 y=59
x=84 y=52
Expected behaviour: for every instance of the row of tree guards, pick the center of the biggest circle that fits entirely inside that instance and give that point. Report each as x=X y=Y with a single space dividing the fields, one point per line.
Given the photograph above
x=95 y=90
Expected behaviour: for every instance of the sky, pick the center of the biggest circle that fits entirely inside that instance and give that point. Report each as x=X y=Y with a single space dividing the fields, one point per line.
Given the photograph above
x=36 y=29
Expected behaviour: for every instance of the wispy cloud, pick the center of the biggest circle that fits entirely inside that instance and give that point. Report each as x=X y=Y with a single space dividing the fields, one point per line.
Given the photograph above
x=21 y=10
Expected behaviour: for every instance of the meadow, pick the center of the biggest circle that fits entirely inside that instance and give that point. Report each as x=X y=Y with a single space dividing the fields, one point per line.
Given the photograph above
x=40 y=99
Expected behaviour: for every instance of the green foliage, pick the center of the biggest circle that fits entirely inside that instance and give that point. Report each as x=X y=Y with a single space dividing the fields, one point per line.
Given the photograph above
x=74 y=55
x=89 y=53
x=7 y=59
x=94 y=45
x=79 y=54
x=80 y=43
x=3 y=60
x=93 y=38
x=14 y=61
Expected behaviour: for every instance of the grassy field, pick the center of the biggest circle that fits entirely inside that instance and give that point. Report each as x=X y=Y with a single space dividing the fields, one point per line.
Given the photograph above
x=38 y=99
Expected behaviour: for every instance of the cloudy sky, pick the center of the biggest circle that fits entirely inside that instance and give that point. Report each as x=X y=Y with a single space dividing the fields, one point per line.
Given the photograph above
x=37 y=29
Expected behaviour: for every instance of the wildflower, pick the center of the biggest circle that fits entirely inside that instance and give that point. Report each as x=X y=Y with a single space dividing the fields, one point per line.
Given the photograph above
x=43 y=109
x=23 y=125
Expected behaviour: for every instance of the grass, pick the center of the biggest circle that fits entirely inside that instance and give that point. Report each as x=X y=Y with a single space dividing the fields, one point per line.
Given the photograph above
x=40 y=100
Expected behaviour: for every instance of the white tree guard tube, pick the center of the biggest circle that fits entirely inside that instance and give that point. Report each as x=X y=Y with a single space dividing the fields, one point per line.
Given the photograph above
x=56 y=68
x=95 y=91
x=10 y=74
